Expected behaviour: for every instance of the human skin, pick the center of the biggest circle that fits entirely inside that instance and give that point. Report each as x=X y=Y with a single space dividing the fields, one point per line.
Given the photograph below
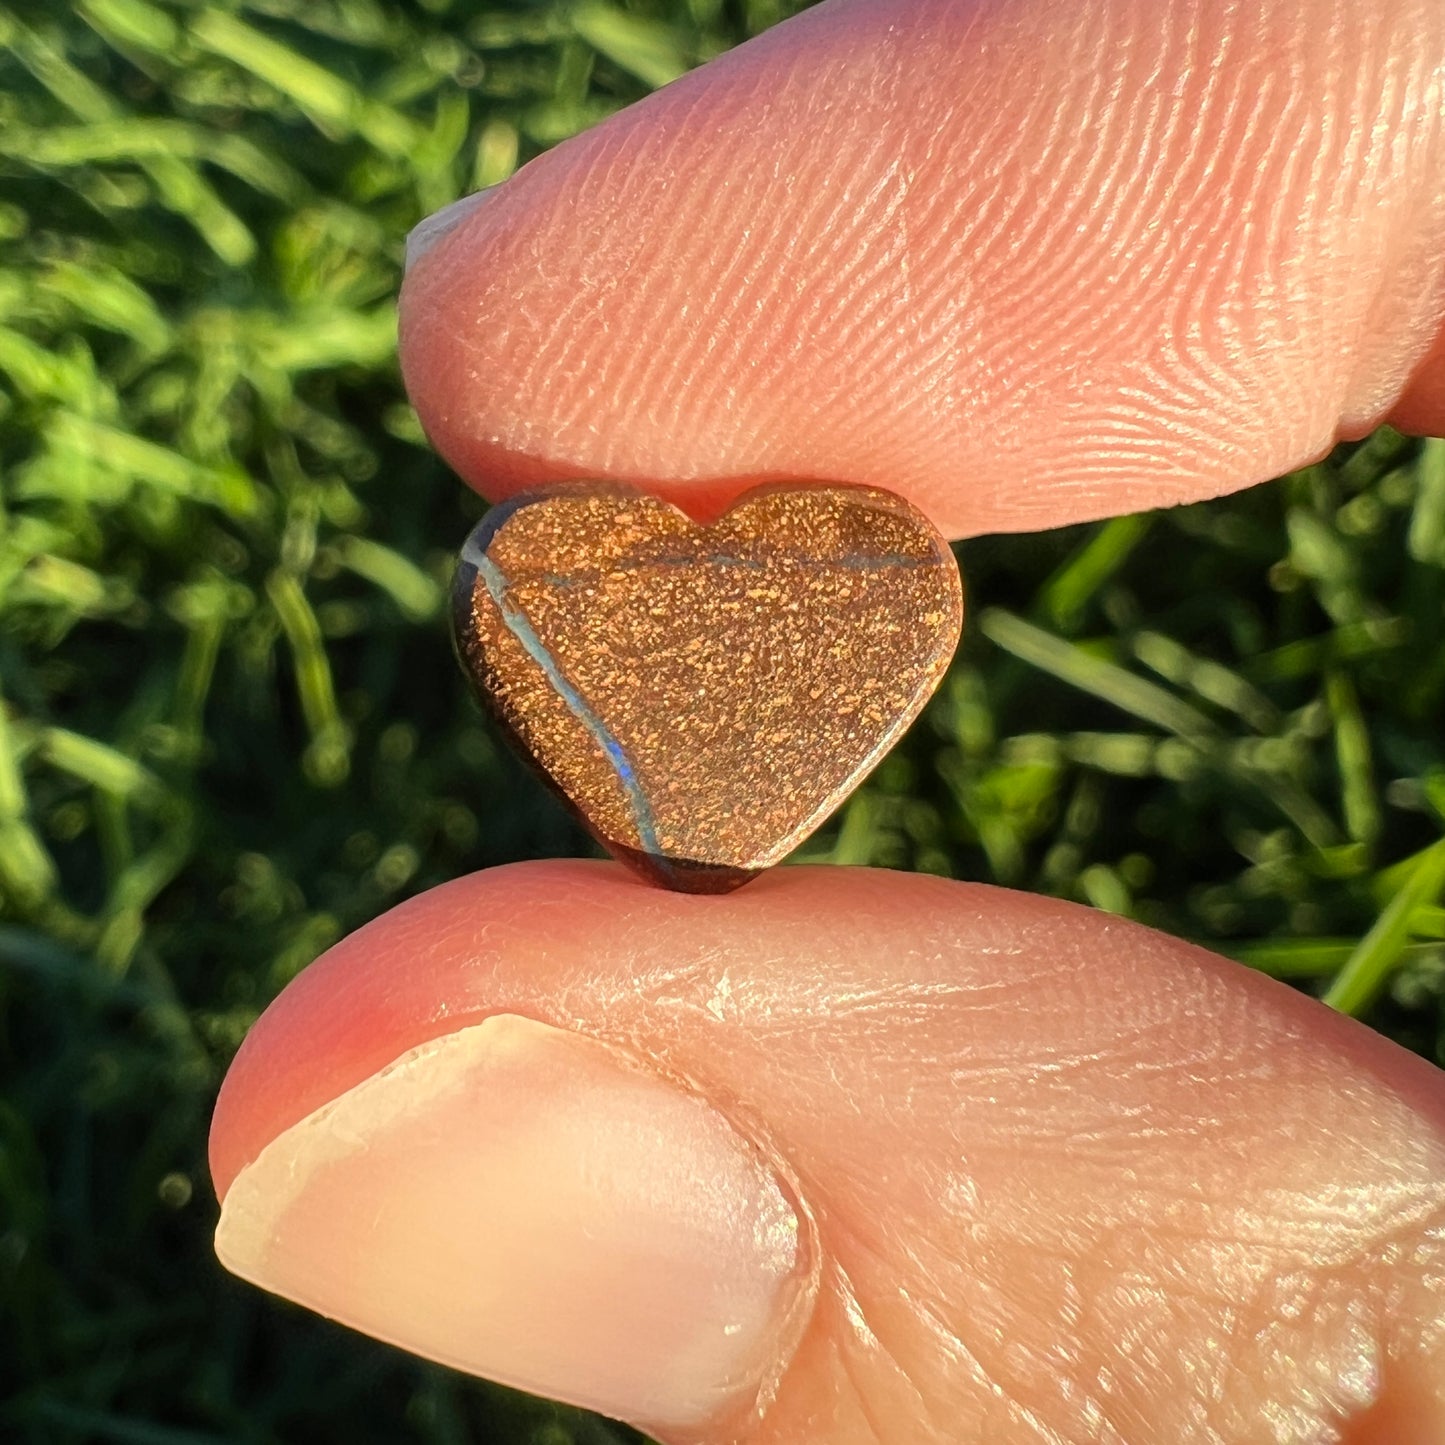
x=862 y=1157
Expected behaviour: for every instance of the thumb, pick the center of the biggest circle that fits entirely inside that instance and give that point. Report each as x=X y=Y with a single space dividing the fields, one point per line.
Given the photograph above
x=1024 y=263
x=850 y=1157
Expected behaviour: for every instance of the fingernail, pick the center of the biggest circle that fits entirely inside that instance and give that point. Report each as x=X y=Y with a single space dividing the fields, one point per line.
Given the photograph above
x=426 y=233
x=528 y=1204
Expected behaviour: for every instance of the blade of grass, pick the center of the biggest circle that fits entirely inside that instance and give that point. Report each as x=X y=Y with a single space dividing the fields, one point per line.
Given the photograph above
x=1379 y=952
x=26 y=867
x=1359 y=797
x=1105 y=680
x=329 y=101
x=1064 y=596
x=1210 y=680
x=100 y=766
x=416 y=594
x=122 y=138
x=328 y=758
x=1310 y=655
x=1426 y=540
x=1297 y=957
x=132 y=23
x=642 y=47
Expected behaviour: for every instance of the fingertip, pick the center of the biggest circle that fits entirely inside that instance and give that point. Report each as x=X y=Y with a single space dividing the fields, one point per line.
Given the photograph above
x=985 y=1106
x=524 y=1203
x=435 y=964
x=1029 y=274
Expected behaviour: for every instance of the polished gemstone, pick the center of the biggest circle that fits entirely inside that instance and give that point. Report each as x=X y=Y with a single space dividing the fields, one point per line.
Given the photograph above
x=705 y=696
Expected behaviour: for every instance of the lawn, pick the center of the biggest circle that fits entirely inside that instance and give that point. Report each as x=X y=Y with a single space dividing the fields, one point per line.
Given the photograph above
x=231 y=729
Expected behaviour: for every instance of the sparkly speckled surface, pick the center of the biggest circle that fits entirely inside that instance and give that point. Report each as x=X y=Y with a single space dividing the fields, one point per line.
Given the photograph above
x=706 y=696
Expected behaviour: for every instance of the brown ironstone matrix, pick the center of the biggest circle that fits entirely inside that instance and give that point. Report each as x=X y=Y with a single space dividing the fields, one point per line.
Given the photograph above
x=705 y=697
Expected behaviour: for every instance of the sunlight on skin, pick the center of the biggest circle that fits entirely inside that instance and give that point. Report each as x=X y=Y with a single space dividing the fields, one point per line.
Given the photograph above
x=1056 y=1177
x=1062 y=1171
x=1028 y=273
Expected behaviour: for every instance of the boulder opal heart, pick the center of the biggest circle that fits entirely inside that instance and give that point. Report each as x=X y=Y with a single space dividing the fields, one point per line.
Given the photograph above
x=706 y=696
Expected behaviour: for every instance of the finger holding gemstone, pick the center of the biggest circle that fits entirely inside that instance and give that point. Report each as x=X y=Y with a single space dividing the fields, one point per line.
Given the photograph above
x=705 y=696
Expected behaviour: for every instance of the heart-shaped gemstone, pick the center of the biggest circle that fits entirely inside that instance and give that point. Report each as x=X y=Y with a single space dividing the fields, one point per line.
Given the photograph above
x=706 y=696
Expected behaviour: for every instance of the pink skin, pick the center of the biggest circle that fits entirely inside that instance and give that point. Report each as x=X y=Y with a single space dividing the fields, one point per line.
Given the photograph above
x=1024 y=270
x=1059 y=1168
x=1051 y=1177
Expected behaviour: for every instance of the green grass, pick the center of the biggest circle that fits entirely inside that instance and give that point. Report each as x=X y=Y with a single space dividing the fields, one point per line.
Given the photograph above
x=231 y=729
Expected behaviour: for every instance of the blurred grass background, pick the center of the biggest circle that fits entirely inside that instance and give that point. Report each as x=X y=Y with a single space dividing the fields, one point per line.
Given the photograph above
x=231 y=729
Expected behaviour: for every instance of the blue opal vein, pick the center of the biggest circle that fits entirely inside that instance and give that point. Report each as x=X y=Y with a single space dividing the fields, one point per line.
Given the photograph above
x=519 y=625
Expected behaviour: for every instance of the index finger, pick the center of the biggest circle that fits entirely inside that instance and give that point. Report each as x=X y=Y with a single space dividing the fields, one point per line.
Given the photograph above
x=1024 y=270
